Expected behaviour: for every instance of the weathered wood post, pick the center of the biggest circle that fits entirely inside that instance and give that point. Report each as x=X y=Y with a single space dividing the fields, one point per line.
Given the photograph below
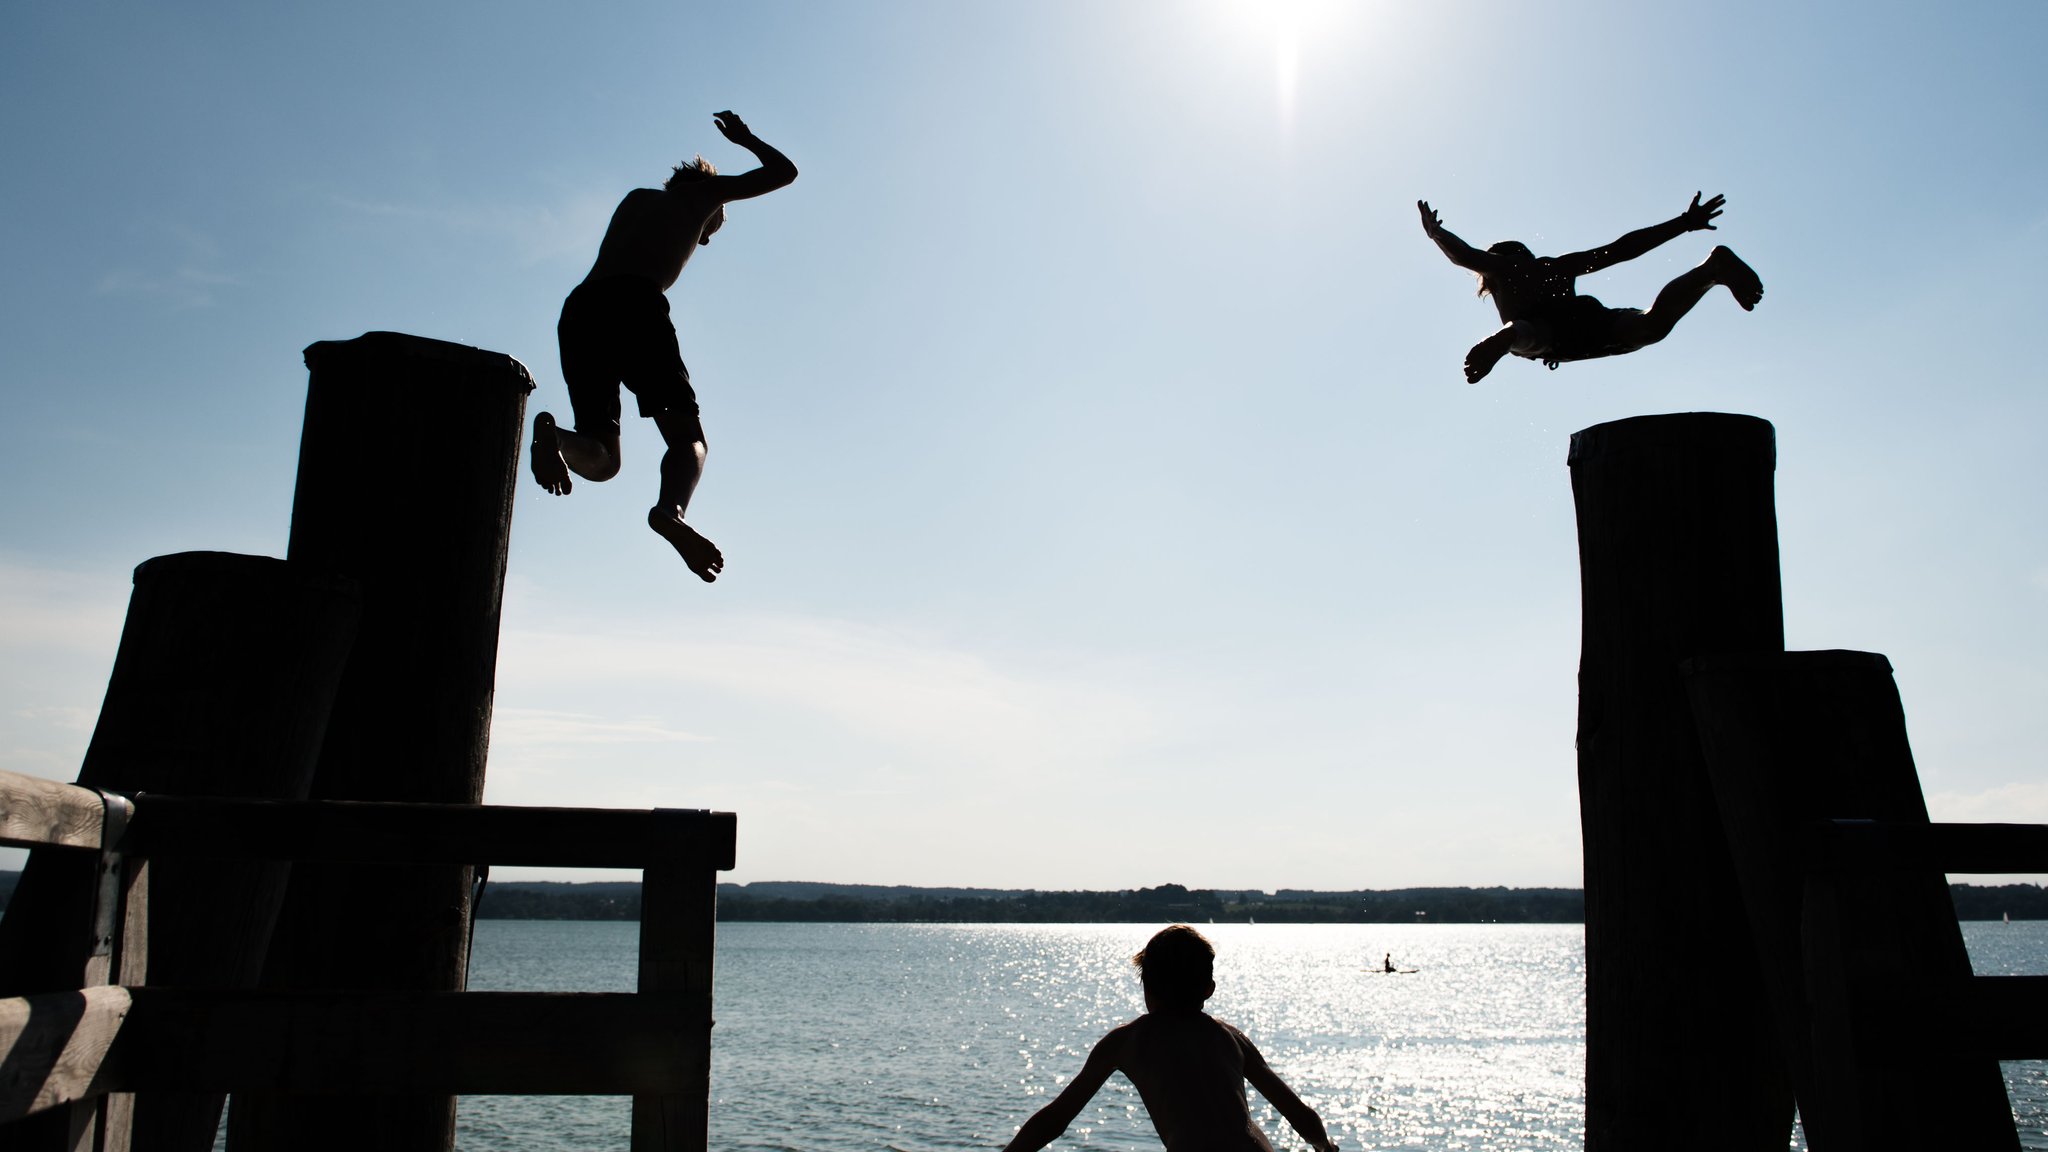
x=1678 y=555
x=406 y=479
x=221 y=687
x=1856 y=959
x=678 y=935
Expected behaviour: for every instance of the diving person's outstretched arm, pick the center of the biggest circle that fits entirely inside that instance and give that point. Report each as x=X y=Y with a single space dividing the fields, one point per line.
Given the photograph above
x=1698 y=216
x=1462 y=254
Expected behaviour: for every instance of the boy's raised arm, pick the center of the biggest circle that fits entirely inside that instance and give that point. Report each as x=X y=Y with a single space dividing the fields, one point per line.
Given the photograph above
x=775 y=171
x=1048 y=1122
x=1300 y=1116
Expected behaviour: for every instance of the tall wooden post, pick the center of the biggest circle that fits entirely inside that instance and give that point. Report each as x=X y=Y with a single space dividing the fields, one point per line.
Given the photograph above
x=678 y=935
x=221 y=687
x=406 y=478
x=1678 y=556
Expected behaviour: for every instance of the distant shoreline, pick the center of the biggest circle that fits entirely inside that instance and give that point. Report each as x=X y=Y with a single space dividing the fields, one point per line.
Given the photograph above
x=790 y=901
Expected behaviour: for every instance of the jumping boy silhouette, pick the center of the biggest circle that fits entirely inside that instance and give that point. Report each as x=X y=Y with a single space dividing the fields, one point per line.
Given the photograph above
x=1544 y=318
x=1189 y=1068
x=615 y=329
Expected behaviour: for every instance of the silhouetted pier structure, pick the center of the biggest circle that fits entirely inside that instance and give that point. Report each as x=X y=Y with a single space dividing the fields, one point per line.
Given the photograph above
x=90 y=1056
x=262 y=883
x=1767 y=911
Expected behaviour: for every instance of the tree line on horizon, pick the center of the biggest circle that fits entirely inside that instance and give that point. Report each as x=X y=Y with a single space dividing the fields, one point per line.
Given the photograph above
x=1166 y=903
x=791 y=902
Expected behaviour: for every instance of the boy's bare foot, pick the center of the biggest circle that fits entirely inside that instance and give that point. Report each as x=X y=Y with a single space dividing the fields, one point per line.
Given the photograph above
x=1742 y=281
x=1485 y=354
x=546 y=458
x=700 y=554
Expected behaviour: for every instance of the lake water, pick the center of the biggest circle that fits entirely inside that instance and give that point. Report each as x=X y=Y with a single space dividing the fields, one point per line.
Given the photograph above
x=838 y=1037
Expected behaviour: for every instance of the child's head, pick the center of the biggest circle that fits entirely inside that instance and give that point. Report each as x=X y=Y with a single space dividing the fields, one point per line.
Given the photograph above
x=1178 y=967
x=697 y=168
x=1514 y=250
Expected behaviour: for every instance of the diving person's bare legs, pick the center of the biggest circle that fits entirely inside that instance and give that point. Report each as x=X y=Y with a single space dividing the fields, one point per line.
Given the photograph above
x=1524 y=337
x=681 y=467
x=1485 y=354
x=1678 y=297
x=557 y=451
x=1742 y=281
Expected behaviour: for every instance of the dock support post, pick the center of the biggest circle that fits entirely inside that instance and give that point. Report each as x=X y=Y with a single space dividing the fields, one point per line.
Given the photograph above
x=406 y=479
x=1678 y=555
x=1857 y=959
x=221 y=687
x=678 y=933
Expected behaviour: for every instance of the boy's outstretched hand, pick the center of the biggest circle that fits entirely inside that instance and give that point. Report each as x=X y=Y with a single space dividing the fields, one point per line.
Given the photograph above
x=736 y=130
x=1701 y=216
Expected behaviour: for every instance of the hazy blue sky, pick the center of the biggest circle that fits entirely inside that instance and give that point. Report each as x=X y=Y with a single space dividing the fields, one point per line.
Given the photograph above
x=1102 y=500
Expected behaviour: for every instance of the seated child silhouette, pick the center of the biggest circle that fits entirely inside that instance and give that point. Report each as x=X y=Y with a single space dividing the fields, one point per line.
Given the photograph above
x=1189 y=1067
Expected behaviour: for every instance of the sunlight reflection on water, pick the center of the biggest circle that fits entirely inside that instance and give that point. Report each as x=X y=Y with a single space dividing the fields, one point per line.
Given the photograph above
x=924 y=1037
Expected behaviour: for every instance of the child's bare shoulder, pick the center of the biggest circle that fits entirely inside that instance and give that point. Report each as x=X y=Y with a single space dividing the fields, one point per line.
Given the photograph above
x=1245 y=1047
x=1124 y=1032
x=1117 y=1044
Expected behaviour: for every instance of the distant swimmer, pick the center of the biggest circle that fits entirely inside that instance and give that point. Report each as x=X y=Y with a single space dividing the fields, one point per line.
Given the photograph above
x=615 y=330
x=1190 y=1068
x=1544 y=318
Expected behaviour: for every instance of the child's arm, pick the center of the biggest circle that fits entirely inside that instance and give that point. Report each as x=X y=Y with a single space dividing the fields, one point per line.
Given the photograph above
x=1046 y=1124
x=775 y=171
x=1642 y=240
x=1299 y=1115
x=1462 y=254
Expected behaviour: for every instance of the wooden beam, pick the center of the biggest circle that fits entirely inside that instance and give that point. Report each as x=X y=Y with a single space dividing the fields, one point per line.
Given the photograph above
x=61 y=1048
x=2002 y=1017
x=35 y=813
x=486 y=1043
x=53 y=1048
x=366 y=832
x=1977 y=849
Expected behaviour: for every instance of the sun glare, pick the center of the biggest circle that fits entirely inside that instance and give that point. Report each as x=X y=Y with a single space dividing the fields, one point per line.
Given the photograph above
x=1287 y=25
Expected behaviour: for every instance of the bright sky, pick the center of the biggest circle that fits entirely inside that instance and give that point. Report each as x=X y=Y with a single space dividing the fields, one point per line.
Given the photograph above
x=1102 y=501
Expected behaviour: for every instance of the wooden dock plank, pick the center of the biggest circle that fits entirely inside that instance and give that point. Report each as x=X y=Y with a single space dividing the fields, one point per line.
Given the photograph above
x=364 y=832
x=53 y=1048
x=36 y=812
x=65 y=1047
x=482 y=1043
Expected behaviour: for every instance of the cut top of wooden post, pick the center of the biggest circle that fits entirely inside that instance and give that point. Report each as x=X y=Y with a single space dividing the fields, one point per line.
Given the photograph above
x=446 y=359
x=1675 y=432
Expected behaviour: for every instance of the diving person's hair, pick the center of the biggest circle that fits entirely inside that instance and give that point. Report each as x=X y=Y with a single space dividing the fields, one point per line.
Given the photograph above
x=1512 y=248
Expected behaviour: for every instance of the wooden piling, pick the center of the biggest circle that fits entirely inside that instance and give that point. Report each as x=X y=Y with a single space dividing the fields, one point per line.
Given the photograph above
x=1678 y=556
x=1859 y=961
x=221 y=687
x=406 y=478
x=678 y=930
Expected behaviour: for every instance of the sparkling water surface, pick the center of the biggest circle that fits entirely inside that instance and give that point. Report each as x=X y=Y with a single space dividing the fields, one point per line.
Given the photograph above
x=918 y=1037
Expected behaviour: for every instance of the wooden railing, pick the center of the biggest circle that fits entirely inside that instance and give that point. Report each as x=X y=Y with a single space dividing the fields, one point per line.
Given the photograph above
x=91 y=1049
x=1971 y=1016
